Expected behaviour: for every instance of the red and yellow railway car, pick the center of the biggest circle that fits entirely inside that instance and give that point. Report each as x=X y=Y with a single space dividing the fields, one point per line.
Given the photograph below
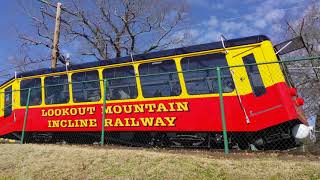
x=167 y=97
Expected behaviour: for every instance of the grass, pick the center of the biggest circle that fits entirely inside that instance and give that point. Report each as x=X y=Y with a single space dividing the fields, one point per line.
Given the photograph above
x=78 y=162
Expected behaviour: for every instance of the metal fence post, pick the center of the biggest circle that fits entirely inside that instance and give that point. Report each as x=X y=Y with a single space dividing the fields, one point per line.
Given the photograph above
x=103 y=110
x=223 y=119
x=25 y=117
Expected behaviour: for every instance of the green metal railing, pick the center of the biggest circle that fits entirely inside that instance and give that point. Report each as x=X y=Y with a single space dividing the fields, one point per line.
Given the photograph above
x=105 y=87
x=223 y=118
x=25 y=117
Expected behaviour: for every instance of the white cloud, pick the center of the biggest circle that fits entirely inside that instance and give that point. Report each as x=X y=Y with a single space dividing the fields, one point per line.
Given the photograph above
x=261 y=23
x=217 y=6
x=209 y=36
x=229 y=26
x=248 y=17
x=277 y=28
x=248 y=31
x=263 y=17
x=11 y=58
x=213 y=21
x=188 y=37
x=191 y=33
x=274 y=15
x=194 y=33
x=201 y=3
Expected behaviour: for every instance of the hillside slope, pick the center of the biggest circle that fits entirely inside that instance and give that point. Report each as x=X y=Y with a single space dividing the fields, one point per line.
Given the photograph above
x=78 y=162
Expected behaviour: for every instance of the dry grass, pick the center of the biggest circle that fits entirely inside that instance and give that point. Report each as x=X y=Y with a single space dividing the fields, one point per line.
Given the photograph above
x=75 y=162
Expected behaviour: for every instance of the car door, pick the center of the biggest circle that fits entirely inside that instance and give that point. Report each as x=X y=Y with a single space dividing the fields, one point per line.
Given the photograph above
x=254 y=83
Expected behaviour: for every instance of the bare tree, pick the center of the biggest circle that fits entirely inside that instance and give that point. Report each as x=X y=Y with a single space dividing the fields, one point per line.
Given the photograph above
x=104 y=29
x=306 y=75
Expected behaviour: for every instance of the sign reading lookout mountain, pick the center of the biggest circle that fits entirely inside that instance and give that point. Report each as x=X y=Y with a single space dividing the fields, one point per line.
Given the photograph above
x=62 y=115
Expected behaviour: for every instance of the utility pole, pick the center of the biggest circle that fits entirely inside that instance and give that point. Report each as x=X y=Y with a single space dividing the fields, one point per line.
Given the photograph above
x=56 y=35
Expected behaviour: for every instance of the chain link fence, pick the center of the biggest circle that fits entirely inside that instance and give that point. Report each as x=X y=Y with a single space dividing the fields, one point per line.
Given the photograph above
x=252 y=110
x=302 y=74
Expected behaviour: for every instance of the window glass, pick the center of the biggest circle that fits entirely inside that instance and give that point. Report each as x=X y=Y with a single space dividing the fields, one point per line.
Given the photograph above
x=7 y=101
x=86 y=86
x=56 y=89
x=159 y=85
x=124 y=87
x=201 y=81
x=35 y=95
x=254 y=75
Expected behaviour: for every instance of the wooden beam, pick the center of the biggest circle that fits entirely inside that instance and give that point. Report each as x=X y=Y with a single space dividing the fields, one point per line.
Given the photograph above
x=56 y=35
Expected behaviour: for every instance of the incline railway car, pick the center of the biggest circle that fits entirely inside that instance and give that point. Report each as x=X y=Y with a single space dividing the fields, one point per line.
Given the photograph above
x=163 y=98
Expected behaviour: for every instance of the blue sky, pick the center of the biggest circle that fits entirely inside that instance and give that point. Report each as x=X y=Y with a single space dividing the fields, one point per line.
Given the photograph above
x=208 y=20
x=10 y=20
x=236 y=19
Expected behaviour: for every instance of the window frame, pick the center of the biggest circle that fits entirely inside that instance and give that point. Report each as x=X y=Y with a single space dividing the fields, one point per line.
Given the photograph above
x=44 y=88
x=251 y=82
x=4 y=101
x=209 y=93
x=134 y=76
x=25 y=89
x=71 y=74
x=159 y=61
